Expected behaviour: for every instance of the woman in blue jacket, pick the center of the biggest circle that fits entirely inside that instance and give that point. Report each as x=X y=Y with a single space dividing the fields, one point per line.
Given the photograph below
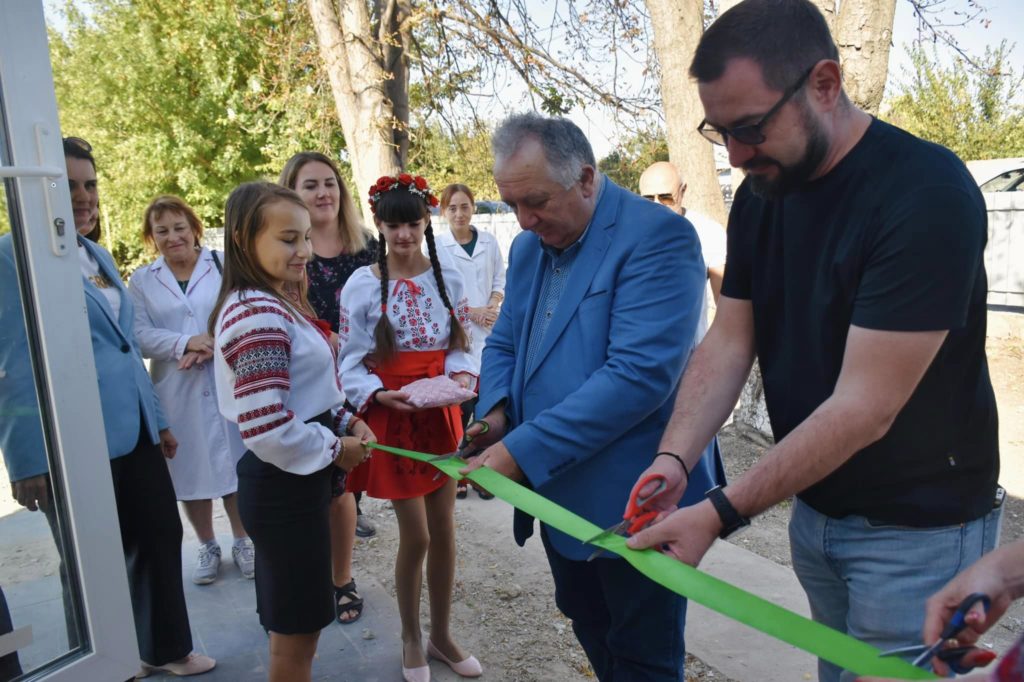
x=137 y=435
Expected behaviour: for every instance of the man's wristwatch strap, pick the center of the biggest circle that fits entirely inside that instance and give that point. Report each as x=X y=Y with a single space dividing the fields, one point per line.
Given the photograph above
x=731 y=519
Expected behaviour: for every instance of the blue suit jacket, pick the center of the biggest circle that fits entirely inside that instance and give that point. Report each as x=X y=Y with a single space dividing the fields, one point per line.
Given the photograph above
x=587 y=418
x=126 y=392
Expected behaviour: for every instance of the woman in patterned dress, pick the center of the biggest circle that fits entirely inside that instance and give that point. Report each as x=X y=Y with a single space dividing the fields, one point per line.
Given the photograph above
x=341 y=245
x=411 y=315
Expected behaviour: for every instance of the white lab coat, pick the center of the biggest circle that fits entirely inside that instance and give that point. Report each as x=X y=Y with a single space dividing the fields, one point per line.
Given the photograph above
x=209 y=446
x=483 y=274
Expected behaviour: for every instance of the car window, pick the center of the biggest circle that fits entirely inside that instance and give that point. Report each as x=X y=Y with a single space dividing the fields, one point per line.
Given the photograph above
x=1005 y=182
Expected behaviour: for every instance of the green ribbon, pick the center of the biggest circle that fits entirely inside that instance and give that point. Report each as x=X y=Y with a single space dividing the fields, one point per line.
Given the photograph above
x=718 y=595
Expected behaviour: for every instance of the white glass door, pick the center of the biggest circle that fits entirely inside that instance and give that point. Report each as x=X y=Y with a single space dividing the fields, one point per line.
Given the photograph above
x=64 y=606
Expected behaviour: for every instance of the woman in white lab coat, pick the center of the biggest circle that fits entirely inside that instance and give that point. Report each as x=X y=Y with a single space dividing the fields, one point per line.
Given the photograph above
x=174 y=296
x=477 y=257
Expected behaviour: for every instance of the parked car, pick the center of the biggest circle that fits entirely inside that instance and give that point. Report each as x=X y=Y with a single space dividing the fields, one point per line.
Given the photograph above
x=998 y=175
x=487 y=207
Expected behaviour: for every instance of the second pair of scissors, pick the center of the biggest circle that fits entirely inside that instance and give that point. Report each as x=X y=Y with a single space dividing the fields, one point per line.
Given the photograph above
x=954 y=657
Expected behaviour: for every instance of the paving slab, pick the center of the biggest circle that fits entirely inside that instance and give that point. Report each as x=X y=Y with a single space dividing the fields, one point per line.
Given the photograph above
x=739 y=651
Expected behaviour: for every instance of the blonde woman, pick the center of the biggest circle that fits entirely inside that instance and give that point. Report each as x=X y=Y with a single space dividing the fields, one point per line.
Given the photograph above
x=341 y=245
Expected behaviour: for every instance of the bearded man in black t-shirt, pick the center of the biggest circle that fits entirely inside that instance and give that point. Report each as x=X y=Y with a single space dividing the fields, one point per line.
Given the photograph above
x=856 y=275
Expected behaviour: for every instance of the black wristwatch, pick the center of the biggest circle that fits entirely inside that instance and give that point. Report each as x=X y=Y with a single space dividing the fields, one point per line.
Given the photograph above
x=731 y=519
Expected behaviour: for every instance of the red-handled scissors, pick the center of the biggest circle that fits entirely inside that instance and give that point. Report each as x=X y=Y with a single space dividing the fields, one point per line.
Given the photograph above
x=638 y=513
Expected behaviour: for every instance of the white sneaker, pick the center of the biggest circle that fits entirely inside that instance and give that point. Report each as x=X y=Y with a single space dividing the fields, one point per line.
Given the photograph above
x=244 y=556
x=207 y=564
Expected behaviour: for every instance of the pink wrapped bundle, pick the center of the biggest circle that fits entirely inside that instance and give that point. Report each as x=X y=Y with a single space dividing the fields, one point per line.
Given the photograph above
x=437 y=391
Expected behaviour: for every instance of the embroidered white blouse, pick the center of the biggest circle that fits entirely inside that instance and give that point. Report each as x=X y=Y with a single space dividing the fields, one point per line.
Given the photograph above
x=273 y=372
x=418 y=315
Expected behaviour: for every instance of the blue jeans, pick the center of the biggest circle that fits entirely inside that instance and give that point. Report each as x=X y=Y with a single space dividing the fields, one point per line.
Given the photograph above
x=871 y=581
x=630 y=627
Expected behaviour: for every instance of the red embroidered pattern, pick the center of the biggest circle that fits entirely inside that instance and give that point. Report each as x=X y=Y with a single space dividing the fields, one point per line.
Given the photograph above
x=259 y=359
x=269 y=426
x=344 y=325
x=249 y=312
x=260 y=412
x=258 y=337
x=262 y=298
x=412 y=313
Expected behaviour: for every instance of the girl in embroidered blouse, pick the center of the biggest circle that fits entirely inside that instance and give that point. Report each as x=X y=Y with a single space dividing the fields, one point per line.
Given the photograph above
x=340 y=246
x=269 y=358
x=408 y=314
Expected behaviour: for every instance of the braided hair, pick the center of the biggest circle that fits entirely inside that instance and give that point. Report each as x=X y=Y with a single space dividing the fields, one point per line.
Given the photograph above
x=384 y=334
x=401 y=206
x=457 y=337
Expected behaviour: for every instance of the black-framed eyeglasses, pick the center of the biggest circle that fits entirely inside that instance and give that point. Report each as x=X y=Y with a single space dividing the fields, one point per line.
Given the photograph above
x=666 y=197
x=749 y=134
x=80 y=143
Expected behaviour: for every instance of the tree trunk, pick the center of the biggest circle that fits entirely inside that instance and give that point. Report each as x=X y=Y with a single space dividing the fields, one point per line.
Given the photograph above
x=864 y=36
x=678 y=25
x=751 y=415
x=358 y=82
x=827 y=7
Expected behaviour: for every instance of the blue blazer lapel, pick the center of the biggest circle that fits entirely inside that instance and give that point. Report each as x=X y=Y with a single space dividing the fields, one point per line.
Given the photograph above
x=583 y=270
x=126 y=312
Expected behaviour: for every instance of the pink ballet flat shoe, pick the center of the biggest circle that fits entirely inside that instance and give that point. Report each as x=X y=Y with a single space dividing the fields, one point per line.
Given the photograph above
x=193 y=664
x=470 y=667
x=420 y=674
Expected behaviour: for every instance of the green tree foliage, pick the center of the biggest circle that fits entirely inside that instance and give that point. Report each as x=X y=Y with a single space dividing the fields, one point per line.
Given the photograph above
x=625 y=163
x=976 y=113
x=5 y=223
x=464 y=156
x=189 y=97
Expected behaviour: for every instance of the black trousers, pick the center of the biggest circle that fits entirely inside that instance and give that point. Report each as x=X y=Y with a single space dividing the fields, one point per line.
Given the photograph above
x=71 y=625
x=630 y=627
x=10 y=667
x=151 y=534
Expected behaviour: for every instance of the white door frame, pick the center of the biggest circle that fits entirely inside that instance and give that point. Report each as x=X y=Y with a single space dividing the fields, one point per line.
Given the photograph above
x=69 y=394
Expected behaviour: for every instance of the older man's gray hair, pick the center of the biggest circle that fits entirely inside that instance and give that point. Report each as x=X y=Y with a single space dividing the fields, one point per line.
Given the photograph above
x=565 y=146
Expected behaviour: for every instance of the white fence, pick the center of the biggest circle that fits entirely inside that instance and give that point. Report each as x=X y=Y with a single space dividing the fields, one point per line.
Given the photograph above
x=502 y=225
x=1004 y=255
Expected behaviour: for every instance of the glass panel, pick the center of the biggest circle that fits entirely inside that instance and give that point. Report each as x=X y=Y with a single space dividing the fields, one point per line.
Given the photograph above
x=39 y=596
x=1004 y=182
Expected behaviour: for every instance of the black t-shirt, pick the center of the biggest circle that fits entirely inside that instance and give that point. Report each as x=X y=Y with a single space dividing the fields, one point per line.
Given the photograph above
x=891 y=239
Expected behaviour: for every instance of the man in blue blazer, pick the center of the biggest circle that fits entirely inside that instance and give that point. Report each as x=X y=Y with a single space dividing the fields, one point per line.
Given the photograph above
x=579 y=376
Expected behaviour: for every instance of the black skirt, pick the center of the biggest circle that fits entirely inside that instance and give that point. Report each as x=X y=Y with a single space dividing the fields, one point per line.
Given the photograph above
x=287 y=517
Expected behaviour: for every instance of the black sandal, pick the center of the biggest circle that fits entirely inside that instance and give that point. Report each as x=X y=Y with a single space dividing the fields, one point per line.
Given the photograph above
x=461 y=490
x=354 y=603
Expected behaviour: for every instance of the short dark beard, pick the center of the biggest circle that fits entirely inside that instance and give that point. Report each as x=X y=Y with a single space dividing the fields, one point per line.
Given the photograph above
x=791 y=177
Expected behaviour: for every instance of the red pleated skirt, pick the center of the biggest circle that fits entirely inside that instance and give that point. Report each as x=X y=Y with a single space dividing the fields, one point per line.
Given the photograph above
x=437 y=431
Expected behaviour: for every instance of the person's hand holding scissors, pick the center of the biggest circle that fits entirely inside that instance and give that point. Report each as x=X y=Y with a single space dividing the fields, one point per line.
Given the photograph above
x=486 y=434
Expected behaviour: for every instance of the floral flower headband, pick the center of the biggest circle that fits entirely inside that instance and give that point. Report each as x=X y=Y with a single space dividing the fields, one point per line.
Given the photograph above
x=415 y=185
